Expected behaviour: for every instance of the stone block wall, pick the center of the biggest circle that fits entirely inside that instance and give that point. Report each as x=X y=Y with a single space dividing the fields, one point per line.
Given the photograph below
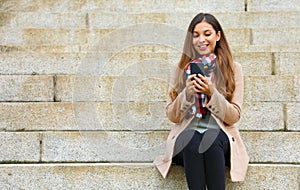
x=84 y=84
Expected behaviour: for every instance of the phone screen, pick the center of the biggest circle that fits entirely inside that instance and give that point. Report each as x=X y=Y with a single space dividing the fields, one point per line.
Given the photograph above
x=197 y=68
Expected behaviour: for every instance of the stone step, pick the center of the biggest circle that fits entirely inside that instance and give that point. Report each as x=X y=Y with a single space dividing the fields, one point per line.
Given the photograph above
x=138 y=48
x=133 y=176
x=68 y=116
x=154 y=33
x=29 y=62
x=143 y=6
x=273 y=5
x=154 y=88
x=115 y=20
x=26 y=88
x=120 y=6
x=17 y=61
x=231 y=20
x=145 y=87
x=132 y=35
x=129 y=146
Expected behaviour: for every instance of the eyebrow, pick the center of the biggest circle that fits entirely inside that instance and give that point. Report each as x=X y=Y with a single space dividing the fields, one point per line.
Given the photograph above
x=208 y=30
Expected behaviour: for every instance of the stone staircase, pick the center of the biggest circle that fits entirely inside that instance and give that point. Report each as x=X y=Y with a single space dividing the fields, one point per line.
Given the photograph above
x=84 y=84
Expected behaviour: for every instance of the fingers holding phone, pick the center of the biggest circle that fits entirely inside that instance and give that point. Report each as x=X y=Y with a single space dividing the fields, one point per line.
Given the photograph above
x=203 y=85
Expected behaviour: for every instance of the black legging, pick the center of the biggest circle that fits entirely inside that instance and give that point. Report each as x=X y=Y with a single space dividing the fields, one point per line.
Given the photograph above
x=206 y=168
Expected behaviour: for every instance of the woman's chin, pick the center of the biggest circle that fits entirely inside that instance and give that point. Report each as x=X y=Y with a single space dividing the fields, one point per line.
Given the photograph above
x=201 y=53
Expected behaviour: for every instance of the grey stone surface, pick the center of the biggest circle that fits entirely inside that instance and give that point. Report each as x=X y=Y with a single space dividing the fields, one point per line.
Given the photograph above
x=269 y=176
x=37 y=116
x=237 y=37
x=239 y=20
x=292 y=116
x=112 y=88
x=74 y=20
x=123 y=19
x=54 y=37
x=265 y=18
x=11 y=36
x=124 y=146
x=32 y=61
x=151 y=33
x=122 y=116
x=170 y=6
x=273 y=5
x=298 y=87
x=83 y=116
x=270 y=88
x=273 y=147
x=43 y=6
x=131 y=116
x=254 y=63
x=19 y=147
x=263 y=37
x=266 y=48
x=133 y=176
x=106 y=146
x=262 y=116
x=37 y=20
x=287 y=63
x=26 y=88
x=255 y=19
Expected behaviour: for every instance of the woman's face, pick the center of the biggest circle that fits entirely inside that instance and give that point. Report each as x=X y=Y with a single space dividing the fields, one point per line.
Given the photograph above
x=205 y=38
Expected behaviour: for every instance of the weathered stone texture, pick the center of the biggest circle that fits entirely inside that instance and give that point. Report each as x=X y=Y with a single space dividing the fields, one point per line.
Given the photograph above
x=19 y=147
x=270 y=88
x=254 y=63
x=288 y=63
x=54 y=37
x=37 y=116
x=262 y=116
x=273 y=147
x=263 y=37
x=26 y=88
x=102 y=146
x=87 y=81
x=131 y=146
x=142 y=176
x=293 y=115
x=273 y=5
x=35 y=62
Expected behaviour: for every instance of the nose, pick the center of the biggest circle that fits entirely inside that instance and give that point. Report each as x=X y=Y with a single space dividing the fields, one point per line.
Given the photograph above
x=201 y=38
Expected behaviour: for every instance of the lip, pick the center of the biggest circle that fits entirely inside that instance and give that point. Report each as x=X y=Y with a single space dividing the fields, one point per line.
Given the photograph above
x=203 y=47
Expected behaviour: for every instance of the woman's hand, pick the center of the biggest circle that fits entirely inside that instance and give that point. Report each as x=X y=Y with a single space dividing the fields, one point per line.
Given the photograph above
x=203 y=85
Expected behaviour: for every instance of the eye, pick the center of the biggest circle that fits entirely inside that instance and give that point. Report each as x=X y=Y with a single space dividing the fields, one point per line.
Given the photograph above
x=195 y=35
x=207 y=34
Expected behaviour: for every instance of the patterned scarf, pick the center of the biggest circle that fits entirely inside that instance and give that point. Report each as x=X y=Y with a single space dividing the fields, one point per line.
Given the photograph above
x=208 y=64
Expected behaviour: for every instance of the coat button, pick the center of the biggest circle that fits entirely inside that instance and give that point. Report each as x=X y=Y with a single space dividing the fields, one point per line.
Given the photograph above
x=233 y=139
x=209 y=106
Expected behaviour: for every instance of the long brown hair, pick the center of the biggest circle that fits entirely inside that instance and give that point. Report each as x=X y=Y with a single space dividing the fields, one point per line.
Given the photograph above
x=225 y=67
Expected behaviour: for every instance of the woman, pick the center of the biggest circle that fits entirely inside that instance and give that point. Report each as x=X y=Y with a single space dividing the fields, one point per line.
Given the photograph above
x=205 y=110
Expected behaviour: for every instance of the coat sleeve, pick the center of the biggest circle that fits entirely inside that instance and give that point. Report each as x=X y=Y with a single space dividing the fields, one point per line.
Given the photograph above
x=228 y=112
x=177 y=109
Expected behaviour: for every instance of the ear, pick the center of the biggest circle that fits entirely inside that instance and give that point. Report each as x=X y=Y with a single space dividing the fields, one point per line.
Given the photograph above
x=218 y=35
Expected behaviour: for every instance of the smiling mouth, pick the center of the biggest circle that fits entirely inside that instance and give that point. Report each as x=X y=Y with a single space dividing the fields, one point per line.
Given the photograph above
x=203 y=47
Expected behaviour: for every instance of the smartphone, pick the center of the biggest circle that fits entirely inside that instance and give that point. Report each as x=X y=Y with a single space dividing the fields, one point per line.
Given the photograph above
x=197 y=68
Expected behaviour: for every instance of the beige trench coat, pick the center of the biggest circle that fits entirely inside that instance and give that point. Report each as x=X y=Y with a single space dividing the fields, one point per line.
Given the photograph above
x=177 y=112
